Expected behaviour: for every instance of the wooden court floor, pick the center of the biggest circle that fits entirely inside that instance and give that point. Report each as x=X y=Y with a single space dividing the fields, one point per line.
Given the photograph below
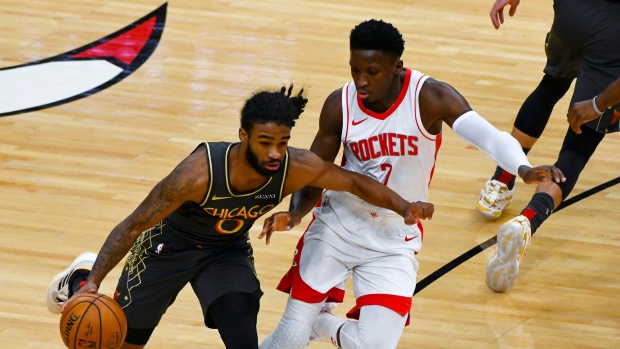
x=71 y=172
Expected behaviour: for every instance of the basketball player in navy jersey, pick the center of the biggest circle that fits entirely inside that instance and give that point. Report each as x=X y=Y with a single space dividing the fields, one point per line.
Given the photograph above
x=390 y=121
x=594 y=32
x=193 y=227
x=579 y=45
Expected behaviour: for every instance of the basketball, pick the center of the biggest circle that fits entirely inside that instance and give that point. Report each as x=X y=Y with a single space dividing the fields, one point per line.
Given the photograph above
x=93 y=321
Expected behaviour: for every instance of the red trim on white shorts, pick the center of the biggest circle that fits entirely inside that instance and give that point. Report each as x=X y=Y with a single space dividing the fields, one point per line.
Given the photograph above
x=399 y=304
x=292 y=281
x=293 y=284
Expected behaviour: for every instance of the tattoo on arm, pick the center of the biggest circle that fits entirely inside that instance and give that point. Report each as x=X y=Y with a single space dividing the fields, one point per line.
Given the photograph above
x=169 y=193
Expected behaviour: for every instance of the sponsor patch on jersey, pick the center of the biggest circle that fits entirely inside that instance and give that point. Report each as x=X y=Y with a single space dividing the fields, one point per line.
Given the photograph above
x=264 y=196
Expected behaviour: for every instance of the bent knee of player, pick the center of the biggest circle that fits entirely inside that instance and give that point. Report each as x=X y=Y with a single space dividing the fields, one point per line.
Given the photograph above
x=295 y=327
x=291 y=333
x=379 y=327
x=383 y=342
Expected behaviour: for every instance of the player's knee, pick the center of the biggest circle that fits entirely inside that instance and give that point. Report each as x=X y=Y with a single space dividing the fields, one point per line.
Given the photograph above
x=138 y=337
x=382 y=342
x=559 y=85
x=294 y=328
x=242 y=339
x=292 y=332
x=131 y=346
x=239 y=331
x=234 y=315
x=232 y=306
x=352 y=336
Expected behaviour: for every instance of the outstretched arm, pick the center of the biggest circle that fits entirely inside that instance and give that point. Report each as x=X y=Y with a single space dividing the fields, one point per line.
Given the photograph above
x=439 y=102
x=497 y=12
x=307 y=169
x=187 y=182
x=584 y=111
x=333 y=177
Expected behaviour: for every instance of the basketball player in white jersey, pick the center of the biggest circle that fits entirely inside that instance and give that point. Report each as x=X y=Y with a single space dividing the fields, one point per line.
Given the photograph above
x=389 y=120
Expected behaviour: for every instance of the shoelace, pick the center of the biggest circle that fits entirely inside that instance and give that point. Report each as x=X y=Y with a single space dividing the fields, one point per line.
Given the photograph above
x=526 y=241
x=494 y=193
x=61 y=294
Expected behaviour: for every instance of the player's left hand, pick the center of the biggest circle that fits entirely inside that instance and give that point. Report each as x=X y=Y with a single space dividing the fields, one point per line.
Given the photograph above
x=580 y=113
x=419 y=210
x=281 y=221
x=539 y=174
x=88 y=287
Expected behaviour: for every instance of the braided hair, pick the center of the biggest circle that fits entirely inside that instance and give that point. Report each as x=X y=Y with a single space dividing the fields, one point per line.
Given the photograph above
x=377 y=35
x=281 y=107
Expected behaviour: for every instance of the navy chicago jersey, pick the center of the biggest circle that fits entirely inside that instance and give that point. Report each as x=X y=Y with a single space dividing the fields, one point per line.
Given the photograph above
x=224 y=217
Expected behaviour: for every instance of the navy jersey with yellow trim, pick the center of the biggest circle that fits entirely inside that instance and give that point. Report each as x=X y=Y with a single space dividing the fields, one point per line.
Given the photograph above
x=224 y=217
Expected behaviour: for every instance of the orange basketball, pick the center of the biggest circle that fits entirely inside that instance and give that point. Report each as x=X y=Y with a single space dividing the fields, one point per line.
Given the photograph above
x=93 y=321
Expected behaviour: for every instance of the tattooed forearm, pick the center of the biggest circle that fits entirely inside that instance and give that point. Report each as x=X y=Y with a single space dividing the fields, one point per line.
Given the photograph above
x=113 y=250
x=165 y=197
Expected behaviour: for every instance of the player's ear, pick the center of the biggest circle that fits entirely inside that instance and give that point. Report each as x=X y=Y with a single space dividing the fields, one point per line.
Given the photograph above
x=398 y=66
x=243 y=135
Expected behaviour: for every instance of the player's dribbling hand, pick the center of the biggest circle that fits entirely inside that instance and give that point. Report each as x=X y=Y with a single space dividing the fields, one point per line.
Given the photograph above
x=280 y=221
x=418 y=210
x=539 y=174
x=89 y=287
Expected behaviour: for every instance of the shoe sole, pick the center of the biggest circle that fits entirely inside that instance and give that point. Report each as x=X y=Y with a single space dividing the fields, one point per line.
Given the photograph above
x=84 y=257
x=503 y=268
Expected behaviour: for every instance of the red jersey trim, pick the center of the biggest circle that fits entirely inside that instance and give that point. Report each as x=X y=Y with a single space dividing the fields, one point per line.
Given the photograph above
x=346 y=101
x=387 y=113
x=421 y=128
x=421 y=231
x=437 y=146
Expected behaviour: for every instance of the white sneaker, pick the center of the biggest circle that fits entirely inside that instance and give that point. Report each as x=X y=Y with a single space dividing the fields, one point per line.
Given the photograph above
x=58 y=289
x=513 y=238
x=494 y=198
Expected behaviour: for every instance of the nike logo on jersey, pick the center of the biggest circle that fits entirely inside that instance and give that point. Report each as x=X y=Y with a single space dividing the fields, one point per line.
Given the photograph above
x=407 y=239
x=355 y=122
x=220 y=198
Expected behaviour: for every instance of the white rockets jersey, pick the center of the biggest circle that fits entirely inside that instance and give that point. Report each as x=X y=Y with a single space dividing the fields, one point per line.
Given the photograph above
x=392 y=147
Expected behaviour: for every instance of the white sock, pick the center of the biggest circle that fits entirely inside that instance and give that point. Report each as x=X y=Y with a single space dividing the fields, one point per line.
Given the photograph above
x=327 y=325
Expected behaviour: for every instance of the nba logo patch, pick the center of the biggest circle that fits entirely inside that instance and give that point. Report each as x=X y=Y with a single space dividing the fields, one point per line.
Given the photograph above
x=325 y=202
x=159 y=248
